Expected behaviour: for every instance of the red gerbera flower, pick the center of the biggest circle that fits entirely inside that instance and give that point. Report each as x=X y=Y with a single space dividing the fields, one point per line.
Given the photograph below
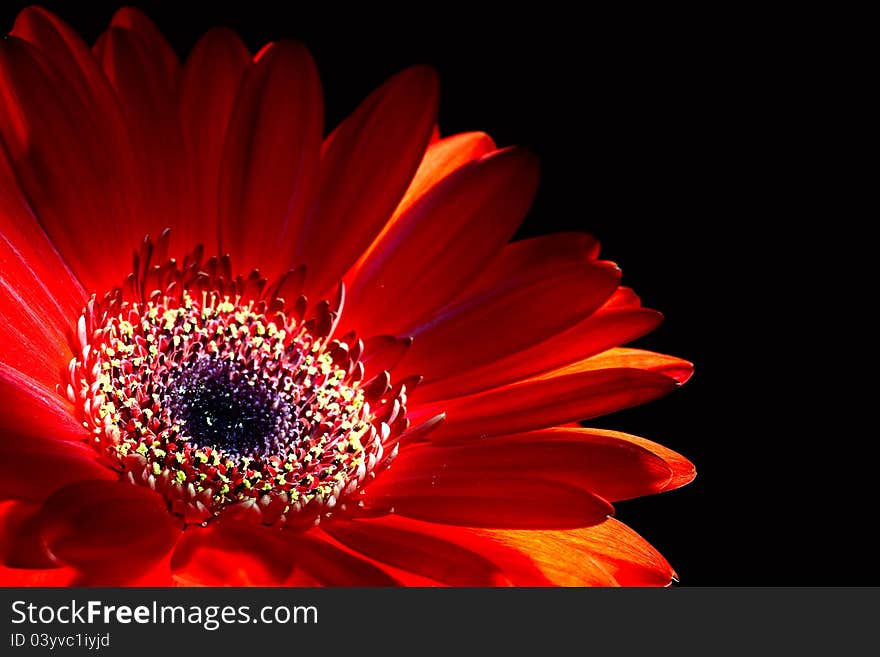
x=326 y=364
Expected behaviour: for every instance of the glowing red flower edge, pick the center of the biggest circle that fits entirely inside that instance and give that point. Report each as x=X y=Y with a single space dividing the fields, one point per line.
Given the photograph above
x=326 y=364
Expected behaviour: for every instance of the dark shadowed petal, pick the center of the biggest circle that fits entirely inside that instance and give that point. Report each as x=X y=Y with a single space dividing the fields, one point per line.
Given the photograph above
x=608 y=327
x=145 y=75
x=111 y=531
x=269 y=173
x=442 y=241
x=69 y=163
x=32 y=468
x=366 y=167
x=488 y=499
x=536 y=304
x=208 y=89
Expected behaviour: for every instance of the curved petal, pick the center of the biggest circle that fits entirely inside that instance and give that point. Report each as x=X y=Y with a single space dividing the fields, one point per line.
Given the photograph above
x=506 y=499
x=145 y=79
x=500 y=322
x=111 y=531
x=395 y=541
x=270 y=162
x=535 y=253
x=442 y=241
x=441 y=159
x=32 y=410
x=39 y=296
x=609 y=554
x=683 y=471
x=675 y=368
x=208 y=89
x=231 y=553
x=366 y=167
x=320 y=560
x=32 y=468
x=605 y=465
x=608 y=327
x=68 y=162
x=20 y=544
x=545 y=402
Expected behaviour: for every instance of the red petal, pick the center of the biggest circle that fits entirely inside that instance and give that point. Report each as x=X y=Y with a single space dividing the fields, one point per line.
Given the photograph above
x=326 y=563
x=146 y=81
x=540 y=403
x=68 y=161
x=38 y=577
x=441 y=159
x=270 y=162
x=612 y=468
x=683 y=471
x=389 y=540
x=536 y=253
x=382 y=353
x=39 y=297
x=608 y=327
x=442 y=242
x=502 y=321
x=73 y=58
x=366 y=166
x=230 y=553
x=209 y=86
x=20 y=542
x=31 y=409
x=31 y=468
x=675 y=368
x=157 y=46
x=508 y=500
x=111 y=531
x=609 y=554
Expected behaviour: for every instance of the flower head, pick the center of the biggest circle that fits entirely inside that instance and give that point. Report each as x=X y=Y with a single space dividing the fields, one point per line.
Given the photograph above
x=238 y=351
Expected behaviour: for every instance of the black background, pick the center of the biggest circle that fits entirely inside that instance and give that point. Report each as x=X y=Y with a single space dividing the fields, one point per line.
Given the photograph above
x=681 y=141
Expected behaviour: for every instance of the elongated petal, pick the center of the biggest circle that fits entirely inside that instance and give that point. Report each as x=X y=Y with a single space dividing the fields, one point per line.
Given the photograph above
x=508 y=500
x=145 y=79
x=609 y=554
x=605 y=465
x=443 y=241
x=683 y=471
x=675 y=368
x=34 y=410
x=209 y=86
x=390 y=540
x=502 y=321
x=366 y=167
x=535 y=253
x=442 y=158
x=112 y=531
x=68 y=162
x=270 y=162
x=608 y=327
x=39 y=295
x=540 y=403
